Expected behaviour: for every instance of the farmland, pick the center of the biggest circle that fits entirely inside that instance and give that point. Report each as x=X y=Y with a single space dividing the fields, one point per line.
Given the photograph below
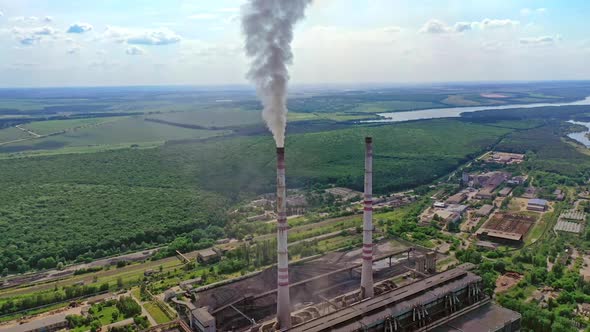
x=11 y=134
x=53 y=126
x=104 y=133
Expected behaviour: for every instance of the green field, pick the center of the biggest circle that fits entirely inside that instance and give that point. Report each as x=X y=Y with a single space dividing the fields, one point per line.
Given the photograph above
x=222 y=117
x=132 y=130
x=54 y=126
x=159 y=316
x=11 y=134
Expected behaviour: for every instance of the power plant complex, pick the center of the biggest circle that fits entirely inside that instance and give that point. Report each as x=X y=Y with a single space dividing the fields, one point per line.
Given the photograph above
x=376 y=288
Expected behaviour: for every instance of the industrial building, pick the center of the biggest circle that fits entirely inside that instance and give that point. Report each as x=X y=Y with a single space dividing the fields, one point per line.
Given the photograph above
x=568 y=227
x=508 y=228
x=536 y=204
x=484 y=210
x=375 y=288
x=457 y=198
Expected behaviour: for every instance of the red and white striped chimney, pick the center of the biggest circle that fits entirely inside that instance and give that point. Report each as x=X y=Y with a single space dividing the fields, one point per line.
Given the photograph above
x=367 y=268
x=283 y=299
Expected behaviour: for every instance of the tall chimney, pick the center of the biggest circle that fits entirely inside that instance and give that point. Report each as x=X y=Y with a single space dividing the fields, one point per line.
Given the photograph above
x=283 y=301
x=367 y=269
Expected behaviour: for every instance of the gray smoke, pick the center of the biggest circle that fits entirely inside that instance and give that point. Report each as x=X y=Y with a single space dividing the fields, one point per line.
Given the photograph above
x=268 y=27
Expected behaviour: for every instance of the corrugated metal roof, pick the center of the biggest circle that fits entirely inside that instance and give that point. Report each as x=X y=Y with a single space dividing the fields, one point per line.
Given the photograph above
x=537 y=201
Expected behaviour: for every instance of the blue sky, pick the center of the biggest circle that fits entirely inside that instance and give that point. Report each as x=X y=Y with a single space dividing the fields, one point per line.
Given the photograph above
x=149 y=42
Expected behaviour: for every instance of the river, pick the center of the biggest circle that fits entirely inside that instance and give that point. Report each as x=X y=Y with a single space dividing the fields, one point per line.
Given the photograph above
x=581 y=135
x=453 y=112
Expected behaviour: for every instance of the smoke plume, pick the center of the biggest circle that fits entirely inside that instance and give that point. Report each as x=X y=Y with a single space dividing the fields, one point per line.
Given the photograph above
x=268 y=27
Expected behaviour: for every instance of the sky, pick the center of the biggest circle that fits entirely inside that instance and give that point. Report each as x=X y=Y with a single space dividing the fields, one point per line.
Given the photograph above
x=199 y=42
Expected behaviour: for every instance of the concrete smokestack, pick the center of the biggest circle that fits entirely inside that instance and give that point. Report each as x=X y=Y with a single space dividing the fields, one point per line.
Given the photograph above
x=367 y=269
x=283 y=300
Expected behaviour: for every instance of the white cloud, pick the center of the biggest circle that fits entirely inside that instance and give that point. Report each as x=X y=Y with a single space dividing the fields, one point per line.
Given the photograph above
x=331 y=34
x=492 y=46
x=462 y=26
x=496 y=23
x=134 y=50
x=229 y=10
x=529 y=11
x=104 y=64
x=435 y=27
x=540 y=41
x=142 y=36
x=232 y=19
x=1 y=13
x=74 y=50
x=30 y=36
x=203 y=16
x=79 y=28
x=31 y=19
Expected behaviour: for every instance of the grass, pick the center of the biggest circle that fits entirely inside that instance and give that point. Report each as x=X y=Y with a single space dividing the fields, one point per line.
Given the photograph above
x=79 y=150
x=11 y=134
x=217 y=117
x=105 y=315
x=159 y=316
x=53 y=126
x=111 y=135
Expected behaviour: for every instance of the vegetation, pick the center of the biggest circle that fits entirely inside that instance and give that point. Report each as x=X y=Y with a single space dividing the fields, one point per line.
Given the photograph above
x=86 y=206
x=106 y=313
x=158 y=314
x=14 y=305
x=48 y=224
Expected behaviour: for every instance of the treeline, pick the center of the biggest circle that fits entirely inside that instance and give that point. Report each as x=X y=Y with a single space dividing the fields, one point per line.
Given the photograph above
x=14 y=305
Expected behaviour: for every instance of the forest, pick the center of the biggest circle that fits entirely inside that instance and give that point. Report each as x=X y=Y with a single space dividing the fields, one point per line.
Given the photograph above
x=78 y=207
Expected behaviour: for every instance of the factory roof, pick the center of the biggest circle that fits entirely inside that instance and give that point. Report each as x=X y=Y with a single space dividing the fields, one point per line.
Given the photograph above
x=573 y=215
x=457 y=198
x=500 y=234
x=568 y=226
x=484 y=210
x=393 y=303
x=537 y=201
x=489 y=317
x=37 y=324
x=203 y=316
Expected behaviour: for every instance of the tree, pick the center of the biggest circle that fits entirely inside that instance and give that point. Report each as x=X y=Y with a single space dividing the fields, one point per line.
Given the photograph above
x=115 y=315
x=95 y=326
x=120 y=282
x=128 y=307
x=500 y=266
